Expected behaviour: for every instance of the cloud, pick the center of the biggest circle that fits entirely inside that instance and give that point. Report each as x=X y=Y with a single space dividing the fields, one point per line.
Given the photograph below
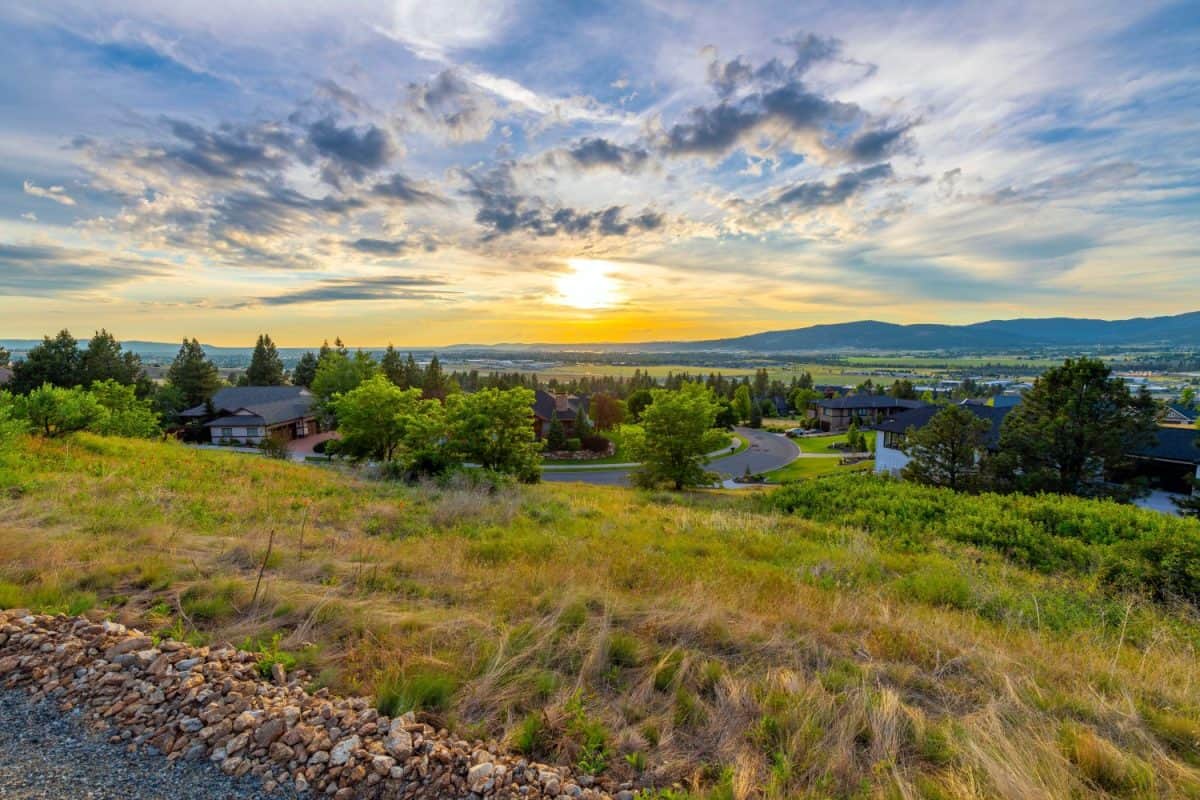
x=403 y=190
x=230 y=151
x=595 y=152
x=49 y=270
x=452 y=105
x=56 y=193
x=813 y=194
x=390 y=247
x=379 y=287
x=876 y=145
x=353 y=152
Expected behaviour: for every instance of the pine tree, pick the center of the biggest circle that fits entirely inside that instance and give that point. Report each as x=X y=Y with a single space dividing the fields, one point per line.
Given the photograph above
x=306 y=370
x=56 y=361
x=434 y=385
x=392 y=367
x=556 y=437
x=194 y=374
x=414 y=377
x=103 y=359
x=266 y=368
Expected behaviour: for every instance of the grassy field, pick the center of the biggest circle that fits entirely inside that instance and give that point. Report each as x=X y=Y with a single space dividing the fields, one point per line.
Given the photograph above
x=843 y=641
x=825 y=444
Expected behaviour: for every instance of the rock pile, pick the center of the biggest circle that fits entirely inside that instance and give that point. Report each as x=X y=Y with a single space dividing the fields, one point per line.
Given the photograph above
x=211 y=703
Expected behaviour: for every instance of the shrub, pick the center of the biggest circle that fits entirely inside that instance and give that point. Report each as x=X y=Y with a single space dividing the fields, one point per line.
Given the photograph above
x=622 y=650
x=574 y=444
x=595 y=443
x=275 y=446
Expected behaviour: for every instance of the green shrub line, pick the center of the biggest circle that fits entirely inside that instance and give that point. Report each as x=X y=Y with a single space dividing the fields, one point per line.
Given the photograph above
x=1126 y=548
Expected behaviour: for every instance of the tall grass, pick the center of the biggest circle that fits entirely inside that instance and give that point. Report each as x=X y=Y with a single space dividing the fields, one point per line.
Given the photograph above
x=712 y=644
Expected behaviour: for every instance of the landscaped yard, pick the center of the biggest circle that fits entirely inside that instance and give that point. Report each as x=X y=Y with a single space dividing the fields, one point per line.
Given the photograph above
x=803 y=468
x=825 y=444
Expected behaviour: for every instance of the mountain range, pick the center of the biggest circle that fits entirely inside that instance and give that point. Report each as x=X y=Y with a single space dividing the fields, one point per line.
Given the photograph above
x=1180 y=330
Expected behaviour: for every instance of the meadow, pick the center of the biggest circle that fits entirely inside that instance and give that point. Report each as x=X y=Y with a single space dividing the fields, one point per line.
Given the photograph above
x=842 y=637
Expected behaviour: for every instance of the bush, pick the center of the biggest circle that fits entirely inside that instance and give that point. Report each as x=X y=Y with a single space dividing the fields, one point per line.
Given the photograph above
x=574 y=444
x=595 y=443
x=275 y=446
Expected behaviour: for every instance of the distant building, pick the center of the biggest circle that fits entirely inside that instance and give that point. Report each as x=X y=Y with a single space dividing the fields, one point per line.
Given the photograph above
x=250 y=414
x=568 y=408
x=835 y=414
x=1172 y=414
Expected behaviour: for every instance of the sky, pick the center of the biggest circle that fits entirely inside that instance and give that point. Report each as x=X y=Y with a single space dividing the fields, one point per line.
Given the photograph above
x=484 y=171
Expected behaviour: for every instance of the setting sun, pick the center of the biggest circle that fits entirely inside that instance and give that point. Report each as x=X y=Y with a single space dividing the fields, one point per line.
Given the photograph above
x=589 y=285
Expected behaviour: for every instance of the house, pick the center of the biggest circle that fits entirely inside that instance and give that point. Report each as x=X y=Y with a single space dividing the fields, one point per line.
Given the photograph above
x=568 y=408
x=1170 y=464
x=835 y=414
x=1172 y=414
x=890 y=457
x=250 y=414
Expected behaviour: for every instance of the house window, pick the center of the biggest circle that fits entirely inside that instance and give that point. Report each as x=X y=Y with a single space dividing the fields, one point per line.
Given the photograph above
x=226 y=433
x=252 y=431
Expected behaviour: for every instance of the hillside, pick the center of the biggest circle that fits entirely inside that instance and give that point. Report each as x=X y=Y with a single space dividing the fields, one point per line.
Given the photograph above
x=839 y=638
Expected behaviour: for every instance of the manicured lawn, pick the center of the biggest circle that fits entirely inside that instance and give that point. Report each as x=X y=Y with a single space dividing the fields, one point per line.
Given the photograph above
x=803 y=468
x=825 y=444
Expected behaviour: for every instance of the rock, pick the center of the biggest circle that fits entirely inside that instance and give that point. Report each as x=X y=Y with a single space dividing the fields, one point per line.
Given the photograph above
x=383 y=764
x=190 y=725
x=399 y=744
x=269 y=731
x=340 y=753
x=479 y=774
x=128 y=646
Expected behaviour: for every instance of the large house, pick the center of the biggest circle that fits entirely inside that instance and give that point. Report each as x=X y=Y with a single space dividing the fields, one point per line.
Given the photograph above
x=568 y=408
x=890 y=457
x=1179 y=414
x=835 y=414
x=250 y=414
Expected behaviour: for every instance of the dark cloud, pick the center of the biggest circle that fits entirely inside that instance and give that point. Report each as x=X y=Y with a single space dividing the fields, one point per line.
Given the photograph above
x=878 y=144
x=448 y=103
x=592 y=152
x=353 y=152
x=229 y=151
x=277 y=210
x=727 y=77
x=380 y=287
x=342 y=97
x=47 y=270
x=390 y=247
x=405 y=191
x=814 y=194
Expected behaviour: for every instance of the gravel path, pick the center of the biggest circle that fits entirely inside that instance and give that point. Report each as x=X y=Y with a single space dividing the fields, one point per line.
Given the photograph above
x=45 y=755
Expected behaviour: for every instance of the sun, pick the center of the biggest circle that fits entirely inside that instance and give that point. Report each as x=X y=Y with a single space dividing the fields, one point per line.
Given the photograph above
x=589 y=285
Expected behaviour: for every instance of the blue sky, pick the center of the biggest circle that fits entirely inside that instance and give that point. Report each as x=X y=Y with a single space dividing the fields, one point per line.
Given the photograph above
x=430 y=173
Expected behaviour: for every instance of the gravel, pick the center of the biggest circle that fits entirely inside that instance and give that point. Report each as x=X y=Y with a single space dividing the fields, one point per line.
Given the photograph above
x=46 y=755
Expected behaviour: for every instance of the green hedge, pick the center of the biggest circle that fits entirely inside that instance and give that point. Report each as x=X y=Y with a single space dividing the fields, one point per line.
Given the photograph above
x=1127 y=548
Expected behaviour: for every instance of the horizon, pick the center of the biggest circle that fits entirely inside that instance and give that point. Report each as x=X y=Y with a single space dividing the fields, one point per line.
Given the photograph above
x=492 y=173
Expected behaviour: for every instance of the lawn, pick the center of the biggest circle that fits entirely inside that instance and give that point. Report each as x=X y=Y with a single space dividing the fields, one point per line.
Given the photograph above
x=825 y=444
x=803 y=468
x=848 y=638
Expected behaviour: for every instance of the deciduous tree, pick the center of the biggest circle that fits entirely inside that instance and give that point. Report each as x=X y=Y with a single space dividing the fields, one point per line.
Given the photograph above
x=676 y=434
x=494 y=428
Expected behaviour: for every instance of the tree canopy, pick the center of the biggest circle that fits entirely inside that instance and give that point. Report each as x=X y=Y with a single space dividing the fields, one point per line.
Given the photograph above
x=946 y=452
x=56 y=361
x=194 y=374
x=379 y=420
x=266 y=367
x=676 y=435
x=494 y=428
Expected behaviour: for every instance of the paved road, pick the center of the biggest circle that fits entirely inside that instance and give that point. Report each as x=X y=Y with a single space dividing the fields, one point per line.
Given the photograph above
x=767 y=451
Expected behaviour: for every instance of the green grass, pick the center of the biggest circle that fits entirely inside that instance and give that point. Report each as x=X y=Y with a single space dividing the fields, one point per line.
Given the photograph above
x=846 y=637
x=804 y=468
x=825 y=444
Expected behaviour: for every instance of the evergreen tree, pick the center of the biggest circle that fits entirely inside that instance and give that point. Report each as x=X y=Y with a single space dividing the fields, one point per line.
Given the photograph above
x=266 y=368
x=306 y=370
x=756 y=415
x=194 y=374
x=743 y=405
x=392 y=367
x=556 y=437
x=433 y=387
x=946 y=452
x=414 y=376
x=56 y=361
x=104 y=360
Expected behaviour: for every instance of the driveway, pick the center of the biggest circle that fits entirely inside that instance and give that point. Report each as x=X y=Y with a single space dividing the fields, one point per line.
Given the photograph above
x=767 y=451
x=300 y=449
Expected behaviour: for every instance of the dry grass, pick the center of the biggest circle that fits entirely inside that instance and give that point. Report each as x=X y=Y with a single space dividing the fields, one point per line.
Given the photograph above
x=682 y=639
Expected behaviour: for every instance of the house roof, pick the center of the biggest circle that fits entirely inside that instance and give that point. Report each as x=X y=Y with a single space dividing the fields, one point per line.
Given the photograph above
x=1187 y=412
x=1174 y=444
x=868 y=401
x=273 y=404
x=919 y=418
x=237 y=421
x=566 y=406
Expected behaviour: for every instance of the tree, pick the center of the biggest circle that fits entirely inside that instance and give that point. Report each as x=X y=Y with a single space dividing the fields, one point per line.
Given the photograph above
x=194 y=374
x=946 y=451
x=5 y=357
x=756 y=414
x=1076 y=425
x=266 y=368
x=306 y=370
x=856 y=442
x=339 y=373
x=742 y=403
x=903 y=389
x=637 y=402
x=56 y=361
x=676 y=435
x=607 y=411
x=726 y=416
x=414 y=376
x=801 y=398
x=494 y=428
x=56 y=410
x=1187 y=398
x=433 y=386
x=556 y=437
x=379 y=420
x=124 y=414
x=392 y=367
x=104 y=359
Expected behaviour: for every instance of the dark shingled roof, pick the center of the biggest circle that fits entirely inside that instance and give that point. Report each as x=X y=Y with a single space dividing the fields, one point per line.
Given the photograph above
x=273 y=404
x=1174 y=444
x=238 y=421
x=868 y=401
x=567 y=406
x=919 y=418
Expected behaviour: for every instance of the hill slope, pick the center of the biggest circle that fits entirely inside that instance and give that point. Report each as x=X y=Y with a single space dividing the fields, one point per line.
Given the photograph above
x=773 y=647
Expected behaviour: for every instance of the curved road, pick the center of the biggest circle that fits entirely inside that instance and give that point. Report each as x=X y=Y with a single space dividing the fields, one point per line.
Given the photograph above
x=767 y=451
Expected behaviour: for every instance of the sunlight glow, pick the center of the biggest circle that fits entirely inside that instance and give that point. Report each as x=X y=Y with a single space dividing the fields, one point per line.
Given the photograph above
x=589 y=285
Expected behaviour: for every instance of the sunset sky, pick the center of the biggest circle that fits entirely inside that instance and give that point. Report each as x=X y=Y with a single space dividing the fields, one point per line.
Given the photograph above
x=462 y=171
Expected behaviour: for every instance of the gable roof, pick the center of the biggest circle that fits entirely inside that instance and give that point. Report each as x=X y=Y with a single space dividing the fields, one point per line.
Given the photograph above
x=273 y=404
x=1187 y=412
x=566 y=406
x=919 y=417
x=868 y=401
x=1174 y=444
